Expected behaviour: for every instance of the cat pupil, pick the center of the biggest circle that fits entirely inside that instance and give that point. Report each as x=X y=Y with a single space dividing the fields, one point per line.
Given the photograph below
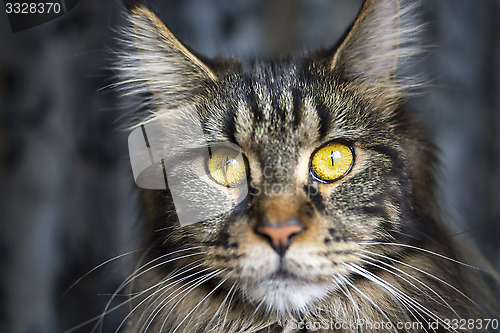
x=231 y=162
x=335 y=155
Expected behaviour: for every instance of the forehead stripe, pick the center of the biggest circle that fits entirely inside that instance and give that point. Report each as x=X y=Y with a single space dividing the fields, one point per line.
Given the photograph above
x=297 y=108
x=325 y=119
x=230 y=125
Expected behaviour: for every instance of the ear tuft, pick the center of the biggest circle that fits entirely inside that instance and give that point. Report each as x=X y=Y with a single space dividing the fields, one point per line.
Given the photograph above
x=379 y=39
x=156 y=63
x=132 y=4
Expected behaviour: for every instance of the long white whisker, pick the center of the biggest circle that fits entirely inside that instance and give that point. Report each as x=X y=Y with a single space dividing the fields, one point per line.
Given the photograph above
x=433 y=253
x=349 y=295
x=203 y=299
x=87 y=274
x=93 y=270
x=178 y=291
x=396 y=292
x=176 y=273
x=401 y=298
x=221 y=306
x=137 y=273
x=228 y=308
x=164 y=288
x=388 y=269
x=412 y=284
x=425 y=273
x=382 y=312
x=190 y=287
x=164 y=256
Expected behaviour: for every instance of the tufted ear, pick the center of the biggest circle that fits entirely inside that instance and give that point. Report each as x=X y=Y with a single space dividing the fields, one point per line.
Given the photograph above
x=158 y=63
x=370 y=52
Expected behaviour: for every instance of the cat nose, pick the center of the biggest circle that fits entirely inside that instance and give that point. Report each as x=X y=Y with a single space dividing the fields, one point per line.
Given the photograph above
x=280 y=235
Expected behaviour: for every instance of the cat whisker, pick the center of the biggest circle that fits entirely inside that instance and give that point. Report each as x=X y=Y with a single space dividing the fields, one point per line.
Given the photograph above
x=221 y=306
x=137 y=273
x=162 y=290
x=160 y=285
x=87 y=322
x=192 y=285
x=349 y=295
x=446 y=304
x=93 y=270
x=423 y=272
x=204 y=298
x=397 y=273
x=399 y=298
x=176 y=273
x=228 y=308
x=256 y=310
x=403 y=297
x=382 y=312
x=432 y=253
x=158 y=294
x=187 y=292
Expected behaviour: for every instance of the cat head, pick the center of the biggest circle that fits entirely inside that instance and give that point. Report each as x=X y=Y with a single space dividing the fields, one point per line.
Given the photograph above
x=286 y=171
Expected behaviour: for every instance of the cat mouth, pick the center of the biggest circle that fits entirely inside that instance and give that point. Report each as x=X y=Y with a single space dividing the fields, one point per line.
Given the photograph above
x=283 y=274
x=284 y=291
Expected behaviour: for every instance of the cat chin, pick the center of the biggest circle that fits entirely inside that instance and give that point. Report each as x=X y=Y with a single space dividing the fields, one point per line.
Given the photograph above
x=287 y=295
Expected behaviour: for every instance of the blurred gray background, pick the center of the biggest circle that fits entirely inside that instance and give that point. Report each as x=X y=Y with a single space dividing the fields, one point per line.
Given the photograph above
x=67 y=200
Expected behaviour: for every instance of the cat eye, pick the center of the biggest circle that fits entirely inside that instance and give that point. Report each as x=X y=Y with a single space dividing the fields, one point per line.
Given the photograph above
x=227 y=167
x=332 y=162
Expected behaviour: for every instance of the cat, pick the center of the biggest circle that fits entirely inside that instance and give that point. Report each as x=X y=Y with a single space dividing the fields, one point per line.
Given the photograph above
x=293 y=195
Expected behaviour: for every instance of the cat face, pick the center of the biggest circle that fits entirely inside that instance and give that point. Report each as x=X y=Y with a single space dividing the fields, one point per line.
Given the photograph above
x=314 y=160
x=280 y=117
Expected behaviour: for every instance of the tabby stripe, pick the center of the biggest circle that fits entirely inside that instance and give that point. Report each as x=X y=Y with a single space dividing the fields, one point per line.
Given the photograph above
x=402 y=201
x=317 y=199
x=297 y=109
x=251 y=100
x=398 y=165
x=391 y=153
x=325 y=119
x=279 y=113
x=376 y=211
x=230 y=126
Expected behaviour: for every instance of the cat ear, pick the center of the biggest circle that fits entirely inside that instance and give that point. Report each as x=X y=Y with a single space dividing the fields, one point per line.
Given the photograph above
x=370 y=52
x=158 y=63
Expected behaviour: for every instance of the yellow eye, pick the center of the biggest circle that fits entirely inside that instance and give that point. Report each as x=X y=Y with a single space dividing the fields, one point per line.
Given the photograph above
x=332 y=162
x=227 y=167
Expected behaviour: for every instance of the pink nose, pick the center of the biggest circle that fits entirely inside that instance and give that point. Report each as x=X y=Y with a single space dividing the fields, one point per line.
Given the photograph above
x=280 y=235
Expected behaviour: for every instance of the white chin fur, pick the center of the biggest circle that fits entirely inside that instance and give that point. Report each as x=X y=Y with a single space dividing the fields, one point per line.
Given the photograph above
x=287 y=295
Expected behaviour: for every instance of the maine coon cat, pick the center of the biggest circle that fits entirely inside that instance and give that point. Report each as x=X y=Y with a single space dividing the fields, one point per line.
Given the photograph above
x=306 y=200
